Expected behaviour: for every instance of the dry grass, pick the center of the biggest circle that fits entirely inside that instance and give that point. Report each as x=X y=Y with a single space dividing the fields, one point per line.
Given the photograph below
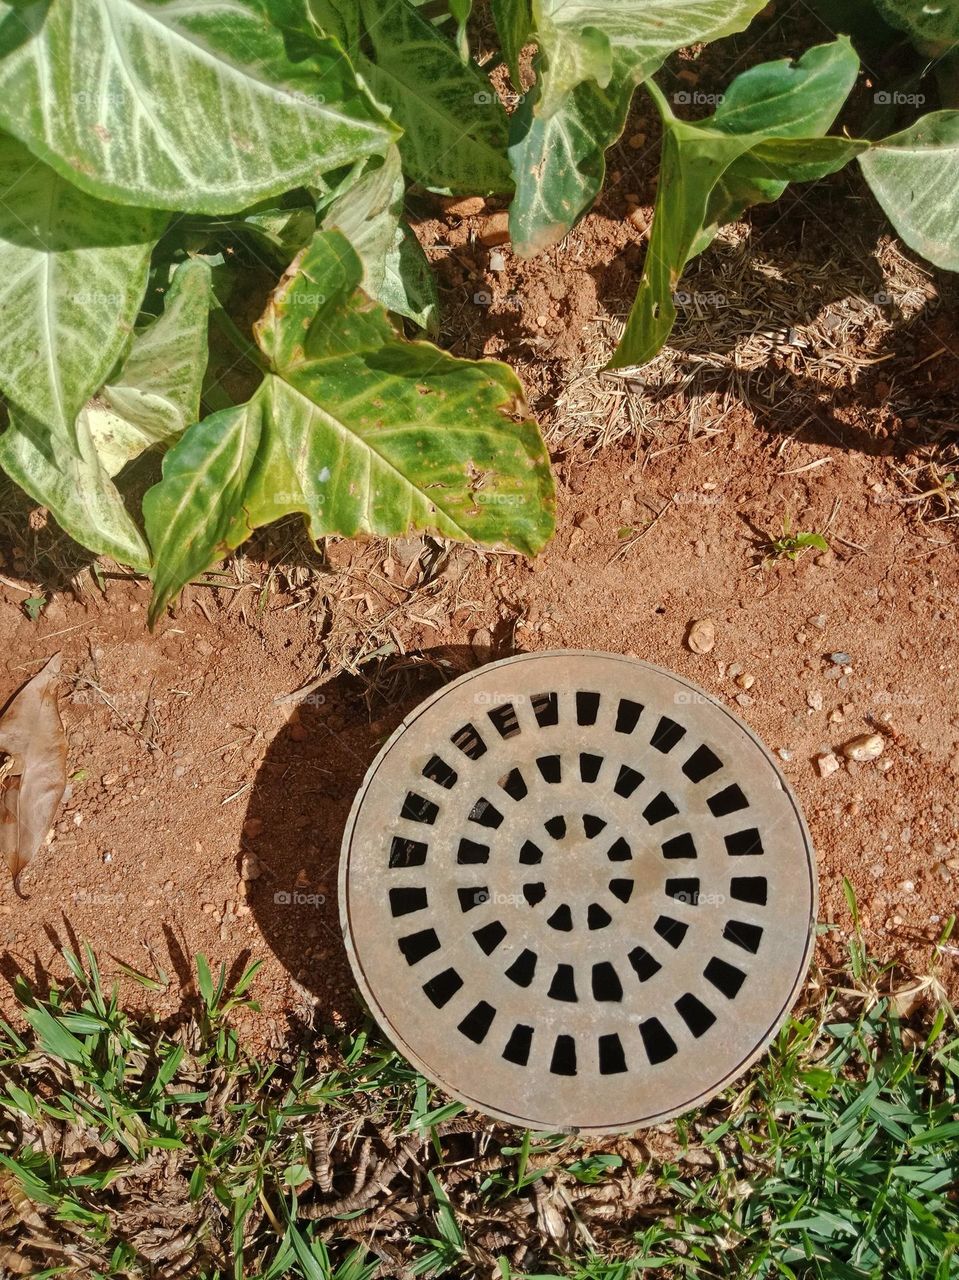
x=779 y=338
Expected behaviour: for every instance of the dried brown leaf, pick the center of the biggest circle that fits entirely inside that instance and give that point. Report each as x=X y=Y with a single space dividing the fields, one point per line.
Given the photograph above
x=33 y=767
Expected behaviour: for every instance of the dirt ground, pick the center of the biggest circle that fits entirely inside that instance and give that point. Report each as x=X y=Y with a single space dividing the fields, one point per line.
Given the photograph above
x=813 y=380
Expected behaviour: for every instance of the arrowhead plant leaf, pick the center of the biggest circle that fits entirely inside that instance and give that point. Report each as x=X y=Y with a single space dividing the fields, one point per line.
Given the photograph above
x=559 y=162
x=460 y=11
x=156 y=395
x=360 y=430
x=74 y=274
x=593 y=57
x=194 y=516
x=181 y=105
x=61 y=469
x=75 y=270
x=514 y=22
x=454 y=126
x=395 y=270
x=764 y=134
x=933 y=27
x=915 y=177
x=582 y=40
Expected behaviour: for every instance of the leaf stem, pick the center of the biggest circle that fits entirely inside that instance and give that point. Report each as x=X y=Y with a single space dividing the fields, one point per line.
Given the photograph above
x=238 y=339
x=657 y=95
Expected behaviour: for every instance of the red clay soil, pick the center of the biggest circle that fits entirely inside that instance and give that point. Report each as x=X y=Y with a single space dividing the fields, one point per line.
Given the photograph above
x=185 y=755
x=816 y=383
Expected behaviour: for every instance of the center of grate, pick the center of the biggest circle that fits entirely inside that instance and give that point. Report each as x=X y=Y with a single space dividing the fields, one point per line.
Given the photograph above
x=577 y=892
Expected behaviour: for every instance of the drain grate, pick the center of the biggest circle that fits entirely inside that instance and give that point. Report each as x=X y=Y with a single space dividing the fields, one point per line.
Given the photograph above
x=577 y=892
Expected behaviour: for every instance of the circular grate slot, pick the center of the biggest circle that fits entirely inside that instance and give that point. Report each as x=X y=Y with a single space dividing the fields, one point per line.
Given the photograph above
x=577 y=892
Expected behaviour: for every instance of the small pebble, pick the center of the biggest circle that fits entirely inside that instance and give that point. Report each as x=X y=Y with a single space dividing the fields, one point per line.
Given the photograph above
x=868 y=746
x=251 y=868
x=744 y=699
x=252 y=827
x=827 y=763
x=497 y=261
x=784 y=753
x=208 y=908
x=636 y=141
x=840 y=659
x=819 y=621
x=466 y=207
x=541 y=321
x=701 y=635
x=814 y=700
x=745 y=681
x=108 y=858
x=495 y=230
x=482 y=640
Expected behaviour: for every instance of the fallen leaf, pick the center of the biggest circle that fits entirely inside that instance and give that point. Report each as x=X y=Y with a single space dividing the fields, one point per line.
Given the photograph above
x=33 y=767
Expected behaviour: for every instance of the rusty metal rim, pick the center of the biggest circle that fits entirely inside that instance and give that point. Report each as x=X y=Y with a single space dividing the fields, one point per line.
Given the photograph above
x=388 y=1024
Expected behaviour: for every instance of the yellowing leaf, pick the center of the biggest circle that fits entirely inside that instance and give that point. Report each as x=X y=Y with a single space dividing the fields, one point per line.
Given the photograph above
x=354 y=426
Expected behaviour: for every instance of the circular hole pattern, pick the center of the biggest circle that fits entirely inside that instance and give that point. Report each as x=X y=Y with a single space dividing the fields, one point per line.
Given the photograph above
x=577 y=892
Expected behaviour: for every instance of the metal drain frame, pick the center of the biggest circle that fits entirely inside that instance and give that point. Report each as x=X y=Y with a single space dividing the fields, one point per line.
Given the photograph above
x=693 y=694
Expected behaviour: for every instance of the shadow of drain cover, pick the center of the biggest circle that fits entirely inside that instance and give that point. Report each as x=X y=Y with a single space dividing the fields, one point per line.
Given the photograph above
x=577 y=892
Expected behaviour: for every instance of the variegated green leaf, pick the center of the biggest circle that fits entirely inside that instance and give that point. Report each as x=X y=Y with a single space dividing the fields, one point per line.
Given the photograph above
x=629 y=40
x=932 y=25
x=358 y=429
x=277 y=232
x=514 y=22
x=763 y=135
x=73 y=273
x=915 y=177
x=559 y=162
x=593 y=57
x=180 y=104
x=395 y=270
x=455 y=127
x=460 y=11
x=156 y=395
x=195 y=514
x=61 y=470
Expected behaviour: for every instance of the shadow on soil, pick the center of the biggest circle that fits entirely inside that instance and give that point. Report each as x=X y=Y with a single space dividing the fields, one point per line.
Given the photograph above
x=301 y=800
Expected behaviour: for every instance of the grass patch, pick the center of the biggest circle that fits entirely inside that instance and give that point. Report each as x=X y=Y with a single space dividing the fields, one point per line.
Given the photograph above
x=133 y=1149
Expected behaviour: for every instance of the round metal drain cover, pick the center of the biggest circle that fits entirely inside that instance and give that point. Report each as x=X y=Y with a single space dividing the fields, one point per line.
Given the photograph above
x=577 y=892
